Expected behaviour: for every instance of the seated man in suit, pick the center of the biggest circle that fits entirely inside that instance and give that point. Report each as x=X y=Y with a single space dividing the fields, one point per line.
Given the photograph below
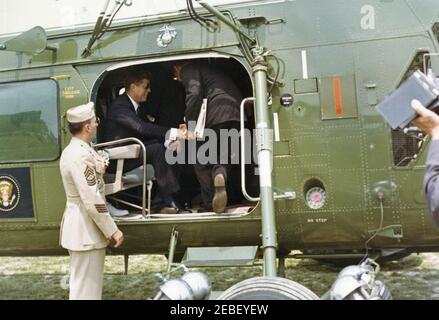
x=123 y=122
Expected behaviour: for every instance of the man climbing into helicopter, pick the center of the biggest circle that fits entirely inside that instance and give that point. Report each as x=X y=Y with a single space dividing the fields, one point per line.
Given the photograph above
x=165 y=106
x=207 y=85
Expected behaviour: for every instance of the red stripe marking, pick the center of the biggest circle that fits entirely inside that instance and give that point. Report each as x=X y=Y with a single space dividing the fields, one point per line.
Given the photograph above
x=338 y=100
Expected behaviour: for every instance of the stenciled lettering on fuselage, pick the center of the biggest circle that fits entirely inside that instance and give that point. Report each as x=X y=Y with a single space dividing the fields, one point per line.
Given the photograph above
x=15 y=194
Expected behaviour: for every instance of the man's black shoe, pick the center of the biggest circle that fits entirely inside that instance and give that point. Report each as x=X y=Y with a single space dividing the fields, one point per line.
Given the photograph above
x=187 y=206
x=173 y=207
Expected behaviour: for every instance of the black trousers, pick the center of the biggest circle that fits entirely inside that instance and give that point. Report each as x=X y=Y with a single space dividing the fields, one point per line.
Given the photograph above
x=222 y=165
x=165 y=177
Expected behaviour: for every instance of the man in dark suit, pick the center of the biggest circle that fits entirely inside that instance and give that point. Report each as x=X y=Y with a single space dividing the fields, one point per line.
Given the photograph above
x=123 y=122
x=166 y=106
x=204 y=81
x=428 y=121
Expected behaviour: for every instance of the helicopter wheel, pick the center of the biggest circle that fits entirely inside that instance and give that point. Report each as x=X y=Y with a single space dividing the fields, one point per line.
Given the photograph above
x=267 y=288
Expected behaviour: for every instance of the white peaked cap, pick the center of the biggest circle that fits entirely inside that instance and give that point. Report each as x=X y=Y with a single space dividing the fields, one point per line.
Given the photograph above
x=81 y=113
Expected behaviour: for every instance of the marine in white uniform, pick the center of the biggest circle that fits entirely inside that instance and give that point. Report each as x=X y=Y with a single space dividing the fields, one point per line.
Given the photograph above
x=86 y=227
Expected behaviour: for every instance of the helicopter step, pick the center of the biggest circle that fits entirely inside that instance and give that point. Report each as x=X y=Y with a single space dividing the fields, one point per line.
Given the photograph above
x=220 y=256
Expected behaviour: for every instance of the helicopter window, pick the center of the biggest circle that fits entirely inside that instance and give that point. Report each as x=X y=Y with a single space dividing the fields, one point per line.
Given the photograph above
x=29 y=121
x=406 y=145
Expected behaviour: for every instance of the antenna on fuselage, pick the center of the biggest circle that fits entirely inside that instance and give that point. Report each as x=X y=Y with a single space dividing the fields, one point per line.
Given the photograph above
x=104 y=22
x=33 y=41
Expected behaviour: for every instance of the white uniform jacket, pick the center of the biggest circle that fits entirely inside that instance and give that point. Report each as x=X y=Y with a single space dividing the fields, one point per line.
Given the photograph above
x=86 y=224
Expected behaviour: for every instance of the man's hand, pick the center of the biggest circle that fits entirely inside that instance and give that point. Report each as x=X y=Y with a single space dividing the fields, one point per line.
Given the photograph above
x=175 y=146
x=428 y=121
x=118 y=238
x=105 y=157
x=184 y=133
x=183 y=128
x=190 y=135
x=181 y=134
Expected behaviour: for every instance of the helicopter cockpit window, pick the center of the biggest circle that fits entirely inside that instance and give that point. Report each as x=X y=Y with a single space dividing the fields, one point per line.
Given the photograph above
x=29 y=121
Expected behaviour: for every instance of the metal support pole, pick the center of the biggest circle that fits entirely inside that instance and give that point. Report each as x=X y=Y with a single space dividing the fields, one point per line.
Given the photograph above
x=172 y=245
x=126 y=261
x=264 y=141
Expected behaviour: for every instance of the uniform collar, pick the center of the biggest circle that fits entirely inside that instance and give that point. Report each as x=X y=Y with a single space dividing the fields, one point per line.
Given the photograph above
x=80 y=142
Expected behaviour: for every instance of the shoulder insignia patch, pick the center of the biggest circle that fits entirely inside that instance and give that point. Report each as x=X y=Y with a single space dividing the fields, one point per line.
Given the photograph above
x=90 y=176
x=101 y=208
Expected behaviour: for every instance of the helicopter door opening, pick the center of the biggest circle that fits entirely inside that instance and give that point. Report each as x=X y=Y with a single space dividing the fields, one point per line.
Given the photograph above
x=165 y=106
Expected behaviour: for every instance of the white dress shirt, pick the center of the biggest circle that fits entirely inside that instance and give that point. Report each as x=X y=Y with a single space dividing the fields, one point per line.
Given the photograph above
x=135 y=104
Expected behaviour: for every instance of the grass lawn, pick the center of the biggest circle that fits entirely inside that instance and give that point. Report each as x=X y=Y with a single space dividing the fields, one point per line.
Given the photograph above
x=45 y=278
